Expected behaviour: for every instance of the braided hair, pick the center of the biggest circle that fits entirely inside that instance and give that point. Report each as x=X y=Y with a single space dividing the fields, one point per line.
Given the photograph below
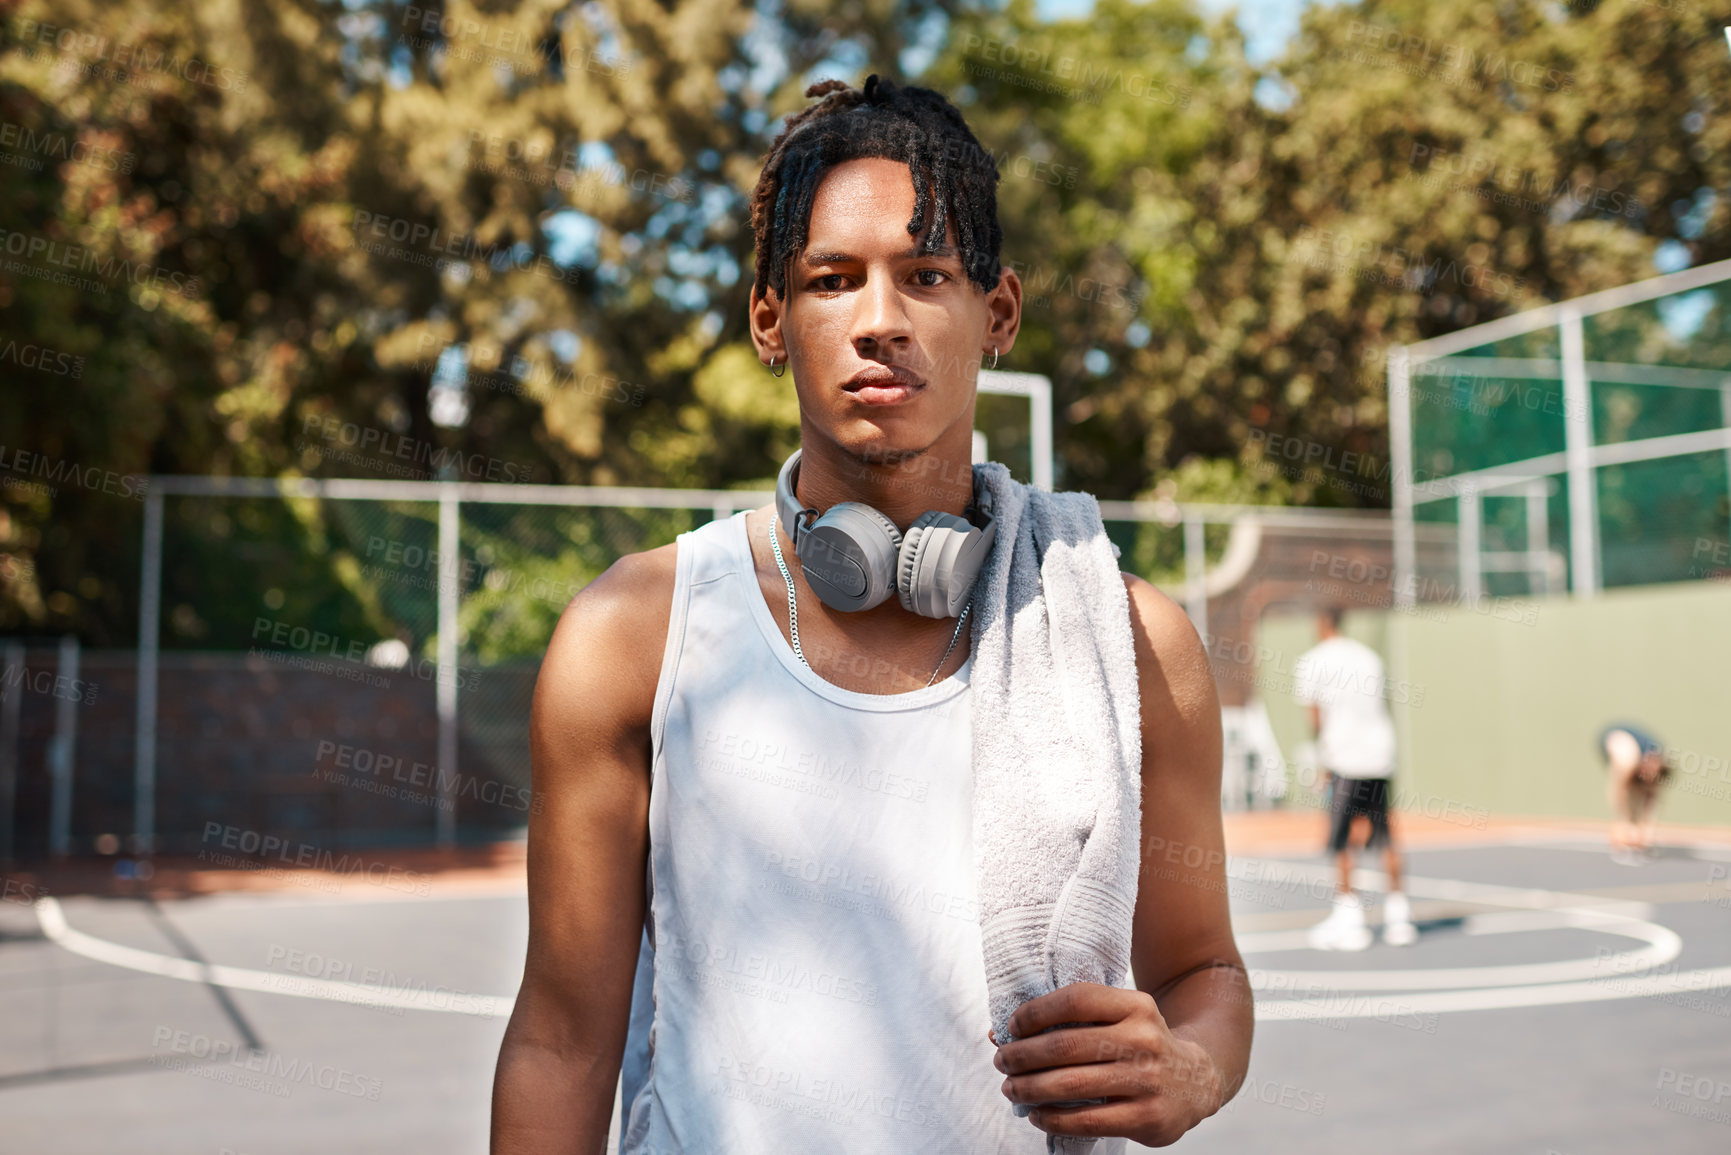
x=954 y=177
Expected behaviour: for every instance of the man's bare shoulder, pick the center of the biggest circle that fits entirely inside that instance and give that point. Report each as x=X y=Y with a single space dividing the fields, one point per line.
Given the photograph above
x=637 y=586
x=605 y=654
x=1171 y=664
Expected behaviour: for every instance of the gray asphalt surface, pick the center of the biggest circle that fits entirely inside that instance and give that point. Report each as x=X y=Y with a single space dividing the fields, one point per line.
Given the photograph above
x=98 y=1057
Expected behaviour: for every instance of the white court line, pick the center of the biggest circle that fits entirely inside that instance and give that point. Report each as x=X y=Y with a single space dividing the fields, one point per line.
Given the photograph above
x=1502 y=998
x=1502 y=922
x=1584 y=911
x=1663 y=945
x=1699 y=851
x=56 y=930
x=278 y=899
x=1515 y=921
x=1488 y=893
x=1517 y=897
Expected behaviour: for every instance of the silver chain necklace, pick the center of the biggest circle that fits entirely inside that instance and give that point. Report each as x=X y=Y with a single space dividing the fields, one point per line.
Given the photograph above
x=793 y=610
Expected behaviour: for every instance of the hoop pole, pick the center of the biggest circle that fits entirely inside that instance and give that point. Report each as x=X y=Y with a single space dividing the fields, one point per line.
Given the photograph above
x=1400 y=470
x=446 y=686
x=1578 y=455
x=149 y=629
x=62 y=751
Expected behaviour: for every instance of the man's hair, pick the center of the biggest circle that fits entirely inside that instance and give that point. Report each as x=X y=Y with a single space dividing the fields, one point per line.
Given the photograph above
x=1334 y=614
x=955 y=179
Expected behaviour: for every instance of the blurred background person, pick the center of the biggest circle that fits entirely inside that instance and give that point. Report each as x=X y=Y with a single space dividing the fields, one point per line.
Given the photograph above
x=1340 y=681
x=1635 y=768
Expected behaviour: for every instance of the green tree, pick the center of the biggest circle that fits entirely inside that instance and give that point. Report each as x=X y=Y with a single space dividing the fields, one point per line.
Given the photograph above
x=1438 y=166
x=490 y=238
x=513 y=239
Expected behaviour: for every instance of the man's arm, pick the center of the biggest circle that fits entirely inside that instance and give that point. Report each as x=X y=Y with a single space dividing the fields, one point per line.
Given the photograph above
x=1182 y=950
x=588 y=849
x=1174 y=1051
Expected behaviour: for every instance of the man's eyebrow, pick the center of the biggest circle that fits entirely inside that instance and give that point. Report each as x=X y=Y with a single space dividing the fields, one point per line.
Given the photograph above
x=812 y=260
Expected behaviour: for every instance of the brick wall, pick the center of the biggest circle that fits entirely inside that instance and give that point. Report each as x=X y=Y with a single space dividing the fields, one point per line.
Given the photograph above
x=1298 y=569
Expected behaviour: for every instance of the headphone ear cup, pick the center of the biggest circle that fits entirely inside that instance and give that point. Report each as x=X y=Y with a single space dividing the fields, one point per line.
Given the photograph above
x=925 y=574
x=907 y=560
x=850 y=555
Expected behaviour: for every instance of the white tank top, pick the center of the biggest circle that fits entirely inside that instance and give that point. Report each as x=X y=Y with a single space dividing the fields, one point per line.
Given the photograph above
x=811 y=977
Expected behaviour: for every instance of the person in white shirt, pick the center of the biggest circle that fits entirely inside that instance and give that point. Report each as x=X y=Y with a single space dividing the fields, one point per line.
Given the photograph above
x=1342 y=683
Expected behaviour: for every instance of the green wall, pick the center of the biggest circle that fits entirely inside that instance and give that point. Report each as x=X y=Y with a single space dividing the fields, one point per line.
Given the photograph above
x=1504 y=706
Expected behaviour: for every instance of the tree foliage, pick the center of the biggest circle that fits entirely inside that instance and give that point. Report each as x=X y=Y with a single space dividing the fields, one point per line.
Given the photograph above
x=365 y=238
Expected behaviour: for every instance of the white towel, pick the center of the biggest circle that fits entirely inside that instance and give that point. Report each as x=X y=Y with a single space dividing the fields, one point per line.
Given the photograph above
x=1057 y=748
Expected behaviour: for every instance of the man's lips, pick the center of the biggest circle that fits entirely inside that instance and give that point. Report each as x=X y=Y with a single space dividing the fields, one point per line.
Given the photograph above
x=888 y=394
x=884 y=387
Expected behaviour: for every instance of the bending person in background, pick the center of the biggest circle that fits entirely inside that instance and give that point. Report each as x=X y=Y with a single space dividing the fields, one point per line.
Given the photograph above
x=1341 y=681
x=1635 y=769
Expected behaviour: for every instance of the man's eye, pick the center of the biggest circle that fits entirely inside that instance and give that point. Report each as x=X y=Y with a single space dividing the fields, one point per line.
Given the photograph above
x=823 y=284
x=940 y=274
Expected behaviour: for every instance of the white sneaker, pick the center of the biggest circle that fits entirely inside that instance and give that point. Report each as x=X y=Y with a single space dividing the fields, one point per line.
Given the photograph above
x=1397 y=927
x=1344 y=927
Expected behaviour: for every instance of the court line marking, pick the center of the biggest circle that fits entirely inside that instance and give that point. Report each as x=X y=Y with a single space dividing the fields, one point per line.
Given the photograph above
x=1298 y=938
x=1663 y=893
x=1588 y=912
x=1499 y=998
x=1663 y=945
x=56 y=929
x=1701 y=851
x=208 y=900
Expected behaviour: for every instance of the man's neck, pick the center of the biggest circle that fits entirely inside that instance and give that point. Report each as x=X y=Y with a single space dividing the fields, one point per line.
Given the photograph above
x=901 y=488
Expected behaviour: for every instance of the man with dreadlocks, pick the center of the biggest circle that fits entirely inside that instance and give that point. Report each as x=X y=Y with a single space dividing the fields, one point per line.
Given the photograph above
x=752 y=903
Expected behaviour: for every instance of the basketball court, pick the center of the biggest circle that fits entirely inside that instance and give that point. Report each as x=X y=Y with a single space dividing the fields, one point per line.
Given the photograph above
x=1555 y=1002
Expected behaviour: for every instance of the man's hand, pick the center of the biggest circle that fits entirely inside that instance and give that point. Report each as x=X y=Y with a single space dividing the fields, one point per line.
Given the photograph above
x=1158 y=1085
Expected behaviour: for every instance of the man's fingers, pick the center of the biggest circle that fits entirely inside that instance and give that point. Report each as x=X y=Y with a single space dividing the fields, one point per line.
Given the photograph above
x=1115 y=1118
x=1071 y=1046
x=1092 y=1081
x=1075 y=1003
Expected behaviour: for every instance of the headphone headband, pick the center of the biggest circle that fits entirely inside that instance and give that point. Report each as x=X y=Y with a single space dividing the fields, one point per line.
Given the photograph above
x=787 y=506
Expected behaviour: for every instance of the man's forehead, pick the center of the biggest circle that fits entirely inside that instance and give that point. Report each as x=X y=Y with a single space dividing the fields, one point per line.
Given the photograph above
x=867 y=201
x=825 y=255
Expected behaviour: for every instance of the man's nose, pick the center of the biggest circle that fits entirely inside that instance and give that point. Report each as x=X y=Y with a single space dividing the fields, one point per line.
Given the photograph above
x=881 y=318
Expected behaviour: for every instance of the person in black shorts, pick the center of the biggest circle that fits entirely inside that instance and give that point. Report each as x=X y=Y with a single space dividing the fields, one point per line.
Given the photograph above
x=1350 y=798
x=1635 y=769
x=1341 y=681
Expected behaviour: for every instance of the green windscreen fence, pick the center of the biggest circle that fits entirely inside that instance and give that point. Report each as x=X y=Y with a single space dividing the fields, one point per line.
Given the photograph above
x=1660 y=368
x=1493 y=405
x=1657 y=369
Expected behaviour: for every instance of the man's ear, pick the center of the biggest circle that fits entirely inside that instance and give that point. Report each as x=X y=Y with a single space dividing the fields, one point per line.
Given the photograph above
x=763 y=316
x=1004 y=304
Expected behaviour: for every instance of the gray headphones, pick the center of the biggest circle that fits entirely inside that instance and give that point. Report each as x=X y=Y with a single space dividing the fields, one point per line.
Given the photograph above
x=854 y=557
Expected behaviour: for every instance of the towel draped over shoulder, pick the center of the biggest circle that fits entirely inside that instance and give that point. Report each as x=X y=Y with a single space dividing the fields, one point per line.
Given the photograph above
x=1057 y=752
